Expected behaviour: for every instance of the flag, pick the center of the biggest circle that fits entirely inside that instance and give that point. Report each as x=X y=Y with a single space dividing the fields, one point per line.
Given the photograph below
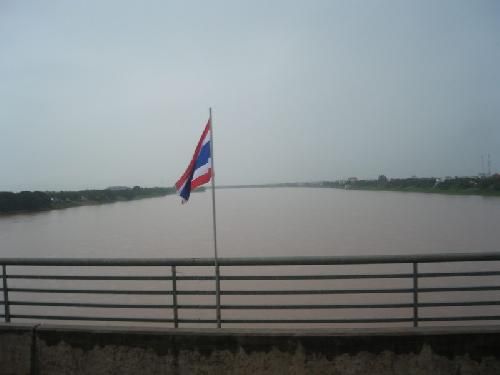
x=199 y=170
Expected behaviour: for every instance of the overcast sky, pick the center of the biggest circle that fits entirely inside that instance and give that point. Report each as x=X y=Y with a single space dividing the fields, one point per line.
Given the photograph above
x=97 y=93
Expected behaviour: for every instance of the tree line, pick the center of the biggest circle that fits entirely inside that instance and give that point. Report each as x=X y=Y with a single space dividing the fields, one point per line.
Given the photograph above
x=47 y=200
x=465 y=185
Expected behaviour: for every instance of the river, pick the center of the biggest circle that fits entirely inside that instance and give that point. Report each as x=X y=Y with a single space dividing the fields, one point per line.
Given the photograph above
x=260 y=222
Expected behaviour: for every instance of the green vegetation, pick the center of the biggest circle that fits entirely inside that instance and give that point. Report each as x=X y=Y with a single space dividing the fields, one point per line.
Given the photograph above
x=47 y=200
x=27 y=201
x=24 y=201
x=456 y=185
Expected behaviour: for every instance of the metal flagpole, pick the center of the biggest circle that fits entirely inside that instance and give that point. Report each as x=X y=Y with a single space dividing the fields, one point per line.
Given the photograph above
x=217 y=270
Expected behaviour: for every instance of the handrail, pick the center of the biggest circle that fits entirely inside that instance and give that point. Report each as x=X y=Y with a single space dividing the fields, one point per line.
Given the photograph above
x=245 y=261
x=402 y=295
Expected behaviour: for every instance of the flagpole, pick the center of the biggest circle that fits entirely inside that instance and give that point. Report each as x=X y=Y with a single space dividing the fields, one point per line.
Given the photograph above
x=216 y=258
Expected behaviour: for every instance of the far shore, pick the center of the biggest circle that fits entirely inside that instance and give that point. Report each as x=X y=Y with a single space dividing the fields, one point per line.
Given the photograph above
x=37 y=201
x=482 y=186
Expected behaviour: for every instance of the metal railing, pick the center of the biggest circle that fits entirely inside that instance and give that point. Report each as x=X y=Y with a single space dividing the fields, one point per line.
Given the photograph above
x=406 y=290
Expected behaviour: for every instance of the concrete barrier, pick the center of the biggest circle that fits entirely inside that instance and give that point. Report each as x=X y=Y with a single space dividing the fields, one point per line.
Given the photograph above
x=51 y=349
x=16 y=346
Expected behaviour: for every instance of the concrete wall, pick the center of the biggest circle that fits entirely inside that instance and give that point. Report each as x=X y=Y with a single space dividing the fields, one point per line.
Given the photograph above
x=45 y=349
x=16 y=345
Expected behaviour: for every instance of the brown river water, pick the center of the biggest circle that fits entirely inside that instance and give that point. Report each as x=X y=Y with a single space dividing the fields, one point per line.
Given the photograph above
x=260 y=222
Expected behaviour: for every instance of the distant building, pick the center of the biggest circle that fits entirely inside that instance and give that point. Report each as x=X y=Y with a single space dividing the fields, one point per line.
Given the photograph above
x=352 y=179
x=382 y=179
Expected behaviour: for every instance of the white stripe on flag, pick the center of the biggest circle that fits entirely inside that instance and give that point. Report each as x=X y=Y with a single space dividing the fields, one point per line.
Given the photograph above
x=203 y=169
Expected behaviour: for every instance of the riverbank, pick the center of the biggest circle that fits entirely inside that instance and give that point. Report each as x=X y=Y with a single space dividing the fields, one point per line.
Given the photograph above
x=483 y=186
x=486 y=193
x=34 y=201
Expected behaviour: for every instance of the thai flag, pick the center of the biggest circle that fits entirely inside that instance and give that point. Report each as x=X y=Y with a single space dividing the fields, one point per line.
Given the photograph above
x=199 y=170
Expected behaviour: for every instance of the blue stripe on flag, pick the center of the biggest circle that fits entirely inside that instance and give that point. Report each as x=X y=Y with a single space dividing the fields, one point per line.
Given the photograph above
x=186 y=190
x=203 y=156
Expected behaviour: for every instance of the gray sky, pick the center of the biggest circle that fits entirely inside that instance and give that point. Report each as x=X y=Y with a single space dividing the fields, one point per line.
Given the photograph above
x=98 y=93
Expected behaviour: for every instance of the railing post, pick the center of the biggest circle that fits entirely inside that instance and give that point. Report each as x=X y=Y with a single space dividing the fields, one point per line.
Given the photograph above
x=217 y=294
x=415 y=294
x=5 y=293
x=174 y=297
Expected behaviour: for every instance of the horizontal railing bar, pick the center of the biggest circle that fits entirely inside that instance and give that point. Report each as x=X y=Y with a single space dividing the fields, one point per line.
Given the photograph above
x=451 y=304
x=339 y=260
x=196 y=292
x=133 y=278
x=88 y=318
x=459 y=318
x=90 y=291
x=255 y=307
x=315 y=307
x=319 y=277
x=261 y=277
x=211 y=292
x=111 y=305
x=197 y=321
x=232 y=278
x=457 y=274
x=257 y=321
x=195 y=277
x=108 y=262
x=460 y=289
x=196 y=307
x=314 y=291
x=114 y=291
x=67 y=277
x=95 y=305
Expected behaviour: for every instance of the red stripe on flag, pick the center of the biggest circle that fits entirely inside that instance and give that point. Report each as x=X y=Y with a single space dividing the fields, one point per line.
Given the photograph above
x=203 y=179
x=188 y=170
